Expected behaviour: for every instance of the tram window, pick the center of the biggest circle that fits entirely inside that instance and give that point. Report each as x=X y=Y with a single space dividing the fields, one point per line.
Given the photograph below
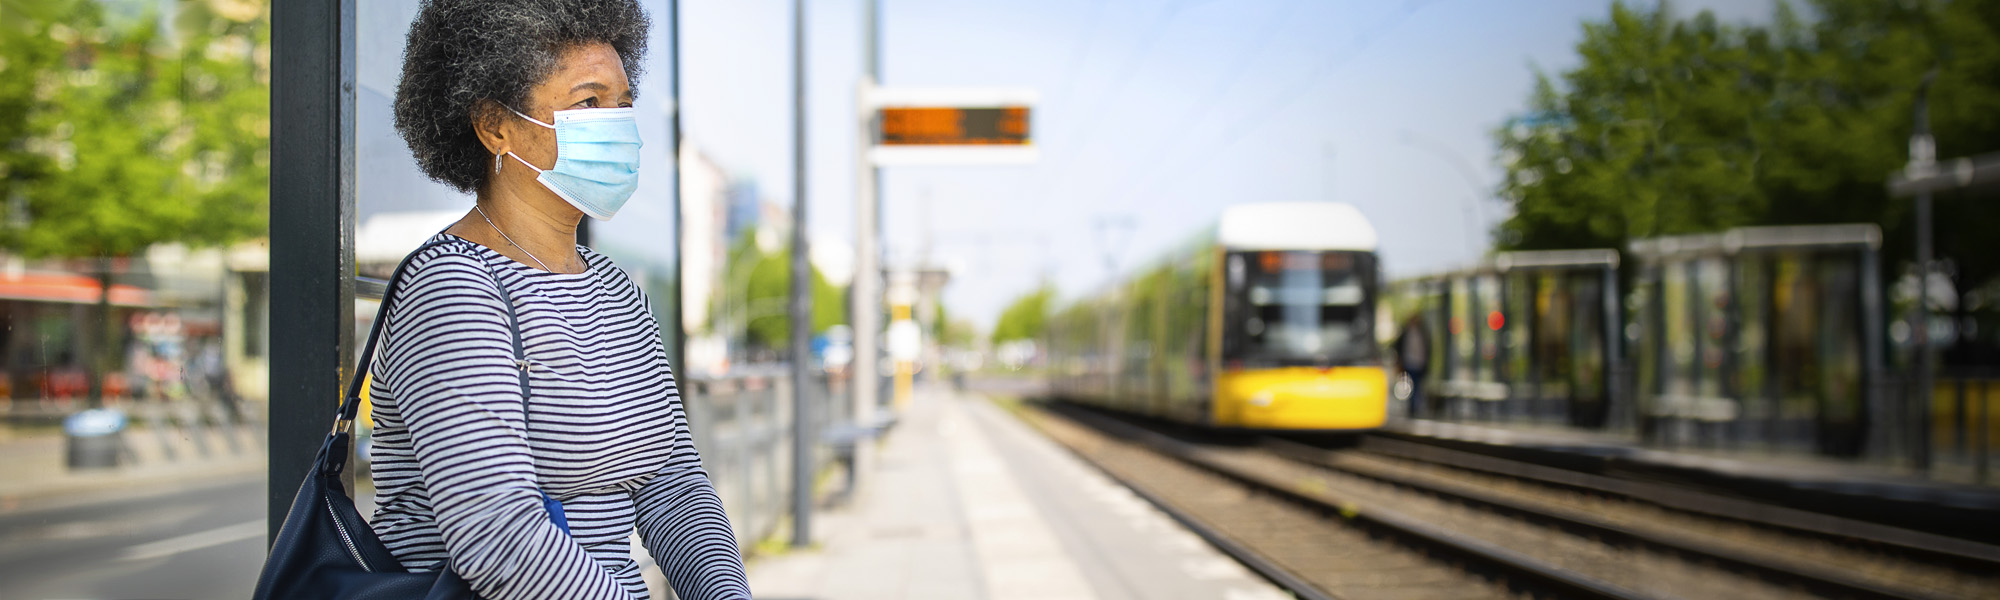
x=1300 y=308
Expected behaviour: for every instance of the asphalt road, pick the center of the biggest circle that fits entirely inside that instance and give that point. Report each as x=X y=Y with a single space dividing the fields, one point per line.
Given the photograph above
x=198 y=540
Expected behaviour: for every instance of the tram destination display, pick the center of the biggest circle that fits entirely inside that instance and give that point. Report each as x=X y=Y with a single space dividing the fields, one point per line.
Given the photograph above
x=953 y=126
x=922 y=126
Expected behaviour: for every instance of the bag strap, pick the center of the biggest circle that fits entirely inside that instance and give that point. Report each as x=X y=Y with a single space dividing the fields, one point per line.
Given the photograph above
x=350 y=405
x=521 y=364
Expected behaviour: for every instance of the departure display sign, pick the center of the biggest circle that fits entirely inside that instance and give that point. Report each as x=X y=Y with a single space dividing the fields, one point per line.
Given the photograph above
x=953 y=126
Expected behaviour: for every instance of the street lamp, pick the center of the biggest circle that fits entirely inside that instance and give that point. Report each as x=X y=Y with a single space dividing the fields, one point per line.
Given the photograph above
x=1923 y=176
x=1923 y=160
x=1474 y=215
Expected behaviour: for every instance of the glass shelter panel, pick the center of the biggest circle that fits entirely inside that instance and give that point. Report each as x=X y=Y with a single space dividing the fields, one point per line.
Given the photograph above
x=133 y=296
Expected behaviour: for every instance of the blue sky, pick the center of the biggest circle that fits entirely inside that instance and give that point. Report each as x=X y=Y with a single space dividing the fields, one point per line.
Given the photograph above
x=1159 y=113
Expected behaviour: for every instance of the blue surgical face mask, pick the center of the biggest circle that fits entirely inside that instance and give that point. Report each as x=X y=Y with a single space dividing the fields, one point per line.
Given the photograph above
x=597 y=159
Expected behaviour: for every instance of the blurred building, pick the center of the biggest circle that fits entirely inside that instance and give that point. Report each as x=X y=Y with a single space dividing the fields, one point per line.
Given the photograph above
x=704 y=257
x=185 y=323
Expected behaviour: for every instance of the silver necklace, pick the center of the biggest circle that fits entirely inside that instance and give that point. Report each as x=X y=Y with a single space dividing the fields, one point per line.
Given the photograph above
x=510 y=241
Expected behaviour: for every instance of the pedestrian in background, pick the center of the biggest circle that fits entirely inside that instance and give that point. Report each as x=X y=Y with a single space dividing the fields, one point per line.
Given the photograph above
x=1413 y=354
x=527 y=105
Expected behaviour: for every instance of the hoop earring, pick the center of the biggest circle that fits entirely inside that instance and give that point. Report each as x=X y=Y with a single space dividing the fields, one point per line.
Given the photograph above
x=496 y=164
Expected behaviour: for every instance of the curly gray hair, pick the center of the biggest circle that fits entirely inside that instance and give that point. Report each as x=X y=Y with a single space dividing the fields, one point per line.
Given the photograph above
x=461 y=52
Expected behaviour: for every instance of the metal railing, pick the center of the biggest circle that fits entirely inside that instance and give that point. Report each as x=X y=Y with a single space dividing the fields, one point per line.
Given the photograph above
x=742 y=424
x=1963 y=424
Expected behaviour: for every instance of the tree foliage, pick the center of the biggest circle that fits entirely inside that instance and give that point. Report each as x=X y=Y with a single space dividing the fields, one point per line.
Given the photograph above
x=1025 y=317
x=766 y=288
x=959 y=333
x=1672 y=126
x=126 y=130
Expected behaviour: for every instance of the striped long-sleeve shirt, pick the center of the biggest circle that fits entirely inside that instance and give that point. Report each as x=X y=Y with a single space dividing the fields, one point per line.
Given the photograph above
x=459 y=469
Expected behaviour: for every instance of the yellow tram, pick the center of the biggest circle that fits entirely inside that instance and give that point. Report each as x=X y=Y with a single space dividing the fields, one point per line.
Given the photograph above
x=1264 y=321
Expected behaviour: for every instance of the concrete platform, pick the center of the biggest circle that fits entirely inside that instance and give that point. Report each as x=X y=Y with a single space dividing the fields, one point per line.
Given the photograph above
x=967 y=502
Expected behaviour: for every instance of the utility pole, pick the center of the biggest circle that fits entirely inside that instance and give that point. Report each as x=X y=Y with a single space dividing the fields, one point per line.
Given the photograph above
x=801 y=304
x=1922 y=177
x=866 y=291
x=1923 y=160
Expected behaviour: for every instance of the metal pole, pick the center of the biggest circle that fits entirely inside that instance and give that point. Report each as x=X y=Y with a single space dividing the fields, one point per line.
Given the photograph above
x=1881 y=413
x=1923 y=159
x=1984 y=425
x=312 y=234
x=1921 y=330
x=801 y=313
x=677 y=344
x=866 y=291
x=1617 y=392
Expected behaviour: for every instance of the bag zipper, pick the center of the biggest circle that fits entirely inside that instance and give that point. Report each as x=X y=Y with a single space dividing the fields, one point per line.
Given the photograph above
x=345 y=539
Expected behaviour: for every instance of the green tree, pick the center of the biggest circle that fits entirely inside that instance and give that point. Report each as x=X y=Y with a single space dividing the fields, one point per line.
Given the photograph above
x=1026 y=317
x=1672 y=126
x=959 y=333
x=1654 y=134
x=122 y=134
x=767 y=288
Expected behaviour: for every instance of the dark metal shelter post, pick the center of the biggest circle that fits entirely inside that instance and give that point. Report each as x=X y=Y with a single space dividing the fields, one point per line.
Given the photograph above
x=312 y=233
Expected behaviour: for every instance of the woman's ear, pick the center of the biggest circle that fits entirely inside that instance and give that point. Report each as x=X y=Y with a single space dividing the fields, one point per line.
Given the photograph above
x=490 y=124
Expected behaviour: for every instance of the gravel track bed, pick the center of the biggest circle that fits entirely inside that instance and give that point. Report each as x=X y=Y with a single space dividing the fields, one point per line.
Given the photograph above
x=1638 y=568
x=1323 y=550
x=1871 y=563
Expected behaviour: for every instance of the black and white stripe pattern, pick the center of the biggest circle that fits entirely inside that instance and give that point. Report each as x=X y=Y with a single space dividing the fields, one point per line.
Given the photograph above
x=458 y=474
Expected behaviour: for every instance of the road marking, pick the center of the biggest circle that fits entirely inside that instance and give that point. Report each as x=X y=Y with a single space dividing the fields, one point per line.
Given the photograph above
x=194 y=541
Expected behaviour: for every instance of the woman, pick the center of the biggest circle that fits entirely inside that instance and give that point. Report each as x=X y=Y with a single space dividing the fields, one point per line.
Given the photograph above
x=527 y=105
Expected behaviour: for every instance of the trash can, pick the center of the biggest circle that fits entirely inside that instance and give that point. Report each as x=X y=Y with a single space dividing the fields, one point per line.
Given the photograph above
x=96 y=438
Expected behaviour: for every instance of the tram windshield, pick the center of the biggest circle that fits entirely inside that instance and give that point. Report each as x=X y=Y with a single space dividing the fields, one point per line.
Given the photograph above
x=1300 y=308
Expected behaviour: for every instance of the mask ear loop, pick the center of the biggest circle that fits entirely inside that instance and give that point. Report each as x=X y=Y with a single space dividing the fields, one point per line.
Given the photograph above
x=524 y=162
x=530 y=119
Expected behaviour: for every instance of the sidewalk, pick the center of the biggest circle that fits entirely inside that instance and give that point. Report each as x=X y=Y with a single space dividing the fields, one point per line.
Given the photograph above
x=964 y=501
x=33 y=471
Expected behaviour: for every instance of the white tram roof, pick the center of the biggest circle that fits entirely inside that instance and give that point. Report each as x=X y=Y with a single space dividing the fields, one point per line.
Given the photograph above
x=1295 y=226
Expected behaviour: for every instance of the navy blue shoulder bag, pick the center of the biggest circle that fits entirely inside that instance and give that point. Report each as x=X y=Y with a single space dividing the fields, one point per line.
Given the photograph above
x=326 y=550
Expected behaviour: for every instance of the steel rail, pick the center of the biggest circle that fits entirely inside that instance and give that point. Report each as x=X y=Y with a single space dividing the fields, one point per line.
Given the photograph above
x=1928 y=546
x=1820 y=579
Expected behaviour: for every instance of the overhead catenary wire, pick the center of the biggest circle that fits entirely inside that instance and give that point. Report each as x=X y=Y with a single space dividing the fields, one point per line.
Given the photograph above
x=1152 y=34
x=1234 y=133
x=1239 y=65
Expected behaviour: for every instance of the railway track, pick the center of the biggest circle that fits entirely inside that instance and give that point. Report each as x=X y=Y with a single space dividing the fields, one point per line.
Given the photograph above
x=1836 y=556
x=1397 y=522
